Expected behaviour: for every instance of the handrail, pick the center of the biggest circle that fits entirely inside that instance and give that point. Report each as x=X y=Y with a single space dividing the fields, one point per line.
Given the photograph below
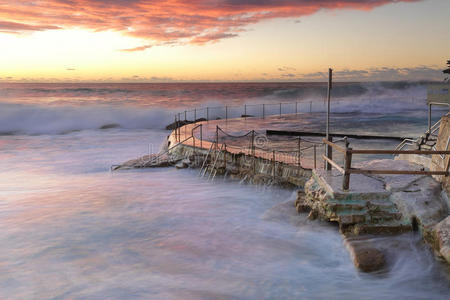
x=206 y=159
x=347 y=169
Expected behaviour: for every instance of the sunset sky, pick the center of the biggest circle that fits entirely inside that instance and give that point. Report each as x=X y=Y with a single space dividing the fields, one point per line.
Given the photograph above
x=223 y=40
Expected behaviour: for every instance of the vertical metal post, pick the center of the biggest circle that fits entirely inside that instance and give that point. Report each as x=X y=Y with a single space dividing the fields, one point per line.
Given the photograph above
x=201 y=136
x=226 y=112
x=429 y=117
x=310 y=106
x=217 y=137
x=329 y=151
x=185 y=116
x=347 y=166
x=299 y=153
x=195 y=114
x=315 y=164
x=225 y=156
x=273 y=163
x=245 y=111
x=253 y=151
x=264 y=110
x=327 y=147
x=176 y=130
x=193 y=141
x=296 y=107
x=207 y=113
x=280 y=109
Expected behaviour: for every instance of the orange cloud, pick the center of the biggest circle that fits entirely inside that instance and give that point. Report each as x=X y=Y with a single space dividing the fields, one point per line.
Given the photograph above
x=163 y=21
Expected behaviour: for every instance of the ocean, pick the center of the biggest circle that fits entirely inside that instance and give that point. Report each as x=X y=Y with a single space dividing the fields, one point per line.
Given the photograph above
x=71 y=229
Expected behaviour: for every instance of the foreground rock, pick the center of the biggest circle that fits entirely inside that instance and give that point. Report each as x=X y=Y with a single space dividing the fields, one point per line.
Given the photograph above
x=441 y=238
x=147 y=161
x=366 y=257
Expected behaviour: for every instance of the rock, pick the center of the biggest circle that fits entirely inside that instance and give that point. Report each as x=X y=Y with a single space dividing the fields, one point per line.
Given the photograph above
x=110 y=126
x=175 y=125
x=183 y=164
x=300 y=203
x=366 y=257
x=421 y=204
x=441 y=233
x=313 y=214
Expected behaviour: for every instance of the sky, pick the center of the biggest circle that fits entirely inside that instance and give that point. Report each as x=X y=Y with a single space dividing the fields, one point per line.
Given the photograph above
x=223 y=40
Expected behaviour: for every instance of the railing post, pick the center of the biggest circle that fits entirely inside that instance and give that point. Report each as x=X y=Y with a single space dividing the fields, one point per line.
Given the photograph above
x=217 y=137
x=193 y=140
x=245 y=111
x=207 y=113
x=315 y=155
x=280 y=109
x=429 y=117
x=264 y=110
x=176 y=131
x=226 y=112
x=296 y=107
x=201 y=136
x=347 y=166
x=253 y=151
x=310 y=106
x=329 y=153
x=185 y=116
x=273 y=163
x=299 y=164
x=195 y=114
x=225 y=156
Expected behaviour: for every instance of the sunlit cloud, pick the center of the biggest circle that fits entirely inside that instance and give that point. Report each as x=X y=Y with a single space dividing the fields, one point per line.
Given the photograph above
x=163 y=21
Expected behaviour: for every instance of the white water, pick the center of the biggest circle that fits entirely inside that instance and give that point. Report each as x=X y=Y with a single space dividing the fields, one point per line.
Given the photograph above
x=72 y=230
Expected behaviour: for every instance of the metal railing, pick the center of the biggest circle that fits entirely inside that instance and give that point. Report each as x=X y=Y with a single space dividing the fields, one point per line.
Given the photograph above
x=244 y=111
x=348 y=152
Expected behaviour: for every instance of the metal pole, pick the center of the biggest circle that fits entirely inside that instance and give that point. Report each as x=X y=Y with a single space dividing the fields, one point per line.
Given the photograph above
x=273 y=163
x=310 y=106
x=328 y=148
x=195 y=114
x=226 y=112
x=347 y=166
x=429 y=117
x=207 y=113
x=315 y=164
x=185 y=116
x=176 y=138
x=217 y=137
x=296 y=105
x=280 y=109
x=299 y=154
x=264 y=111
x=253 y=151
x=201 y=136
x=245 y=110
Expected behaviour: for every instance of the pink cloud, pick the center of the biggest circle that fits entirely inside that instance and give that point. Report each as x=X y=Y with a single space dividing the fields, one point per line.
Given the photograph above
x=164 y=21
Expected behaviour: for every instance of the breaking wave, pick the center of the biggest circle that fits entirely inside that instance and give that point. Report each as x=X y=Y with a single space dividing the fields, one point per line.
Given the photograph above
x=40 y=119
